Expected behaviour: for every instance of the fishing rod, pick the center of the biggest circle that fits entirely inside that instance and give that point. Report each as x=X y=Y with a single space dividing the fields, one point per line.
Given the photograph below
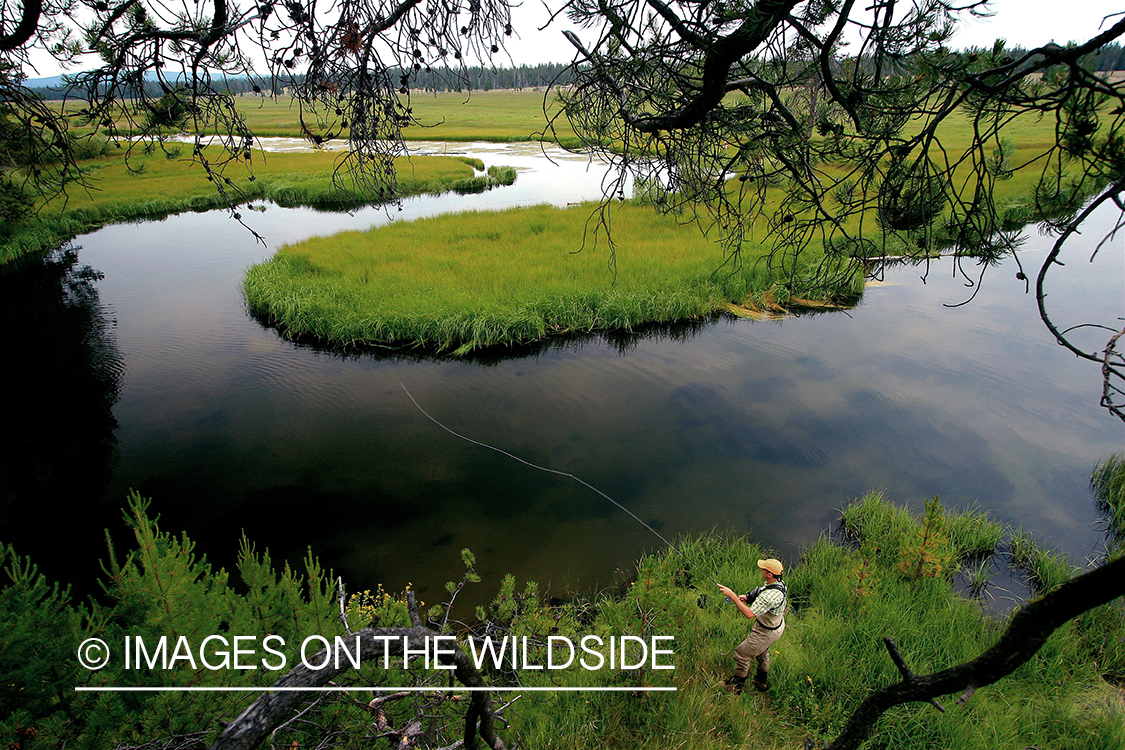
x=702 y=601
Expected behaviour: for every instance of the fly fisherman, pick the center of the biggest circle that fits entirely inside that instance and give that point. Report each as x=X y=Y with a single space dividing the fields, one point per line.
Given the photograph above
x=765 y=605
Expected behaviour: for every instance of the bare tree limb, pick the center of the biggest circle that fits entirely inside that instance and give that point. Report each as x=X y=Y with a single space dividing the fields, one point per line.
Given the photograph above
x=1027 y=631
x=271 y=710
x=25 y=29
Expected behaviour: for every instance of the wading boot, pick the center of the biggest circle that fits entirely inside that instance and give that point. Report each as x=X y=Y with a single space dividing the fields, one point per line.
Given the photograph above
x=735 y=683
x=762 y=681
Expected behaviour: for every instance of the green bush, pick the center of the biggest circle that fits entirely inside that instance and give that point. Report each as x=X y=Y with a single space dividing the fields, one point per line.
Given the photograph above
x=15 y=202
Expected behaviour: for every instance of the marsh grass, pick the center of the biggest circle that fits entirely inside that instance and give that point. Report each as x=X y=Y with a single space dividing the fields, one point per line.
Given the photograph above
x=157 y=186
x=979 y=579
x=1044 y=569
x=972 y=535
x=663 y=600
x=833 y=652
x=843 y=602
x=1108 y=483
x=285 y=178
x=480 y=279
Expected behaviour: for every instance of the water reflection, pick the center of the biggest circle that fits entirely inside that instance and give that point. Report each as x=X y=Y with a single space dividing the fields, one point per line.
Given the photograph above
x=764 y=428
x=623 y=341
x=62 y=379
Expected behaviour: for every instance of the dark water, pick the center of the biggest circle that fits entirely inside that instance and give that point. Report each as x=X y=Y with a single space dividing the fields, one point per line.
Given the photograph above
x=149 y=375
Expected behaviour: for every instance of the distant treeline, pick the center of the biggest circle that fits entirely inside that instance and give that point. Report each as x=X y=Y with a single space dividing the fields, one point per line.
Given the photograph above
x=1111 y=57
x=1107 y=58
x=485 y=79
x=430 y=79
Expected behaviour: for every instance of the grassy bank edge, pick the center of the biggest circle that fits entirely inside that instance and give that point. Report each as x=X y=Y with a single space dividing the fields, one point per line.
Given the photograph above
x=50 y=228
x=847 y=591
x=476 y=280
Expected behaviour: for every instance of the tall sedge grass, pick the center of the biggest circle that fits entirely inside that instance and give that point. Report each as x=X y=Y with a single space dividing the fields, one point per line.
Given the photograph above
x=1108 y=483
x=663 y=600
x=973 y=535
x=285 y=178
x=843 y=602
x=480 y=279
x=1044 y=569
x=833 y=654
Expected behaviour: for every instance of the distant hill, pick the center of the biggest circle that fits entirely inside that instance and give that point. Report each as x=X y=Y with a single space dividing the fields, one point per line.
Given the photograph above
x=53 y=82
x=441 y=79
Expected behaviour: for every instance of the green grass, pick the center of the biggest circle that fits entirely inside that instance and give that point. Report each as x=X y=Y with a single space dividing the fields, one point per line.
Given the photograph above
x=480 y=279
x=833 y=654
x=1044 y=569
x=156 y=186
x=169 y=186
x=1108 y=483
x=467 y=282
x=495 y=116
x=285 y=178
x=843 y=603
x=508 y=278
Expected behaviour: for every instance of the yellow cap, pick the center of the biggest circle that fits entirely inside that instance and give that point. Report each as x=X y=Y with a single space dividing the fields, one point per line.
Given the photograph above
x=772 y=565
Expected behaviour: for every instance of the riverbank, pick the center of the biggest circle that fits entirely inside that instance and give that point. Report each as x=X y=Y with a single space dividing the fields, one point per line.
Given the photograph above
x=153 y=187
x=886 y=574
x=473 y=280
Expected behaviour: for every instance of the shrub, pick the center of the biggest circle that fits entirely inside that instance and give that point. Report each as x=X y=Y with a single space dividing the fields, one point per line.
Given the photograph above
x=15 y=203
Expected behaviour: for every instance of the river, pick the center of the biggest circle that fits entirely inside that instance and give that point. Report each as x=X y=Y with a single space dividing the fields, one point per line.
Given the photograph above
x=145 y=372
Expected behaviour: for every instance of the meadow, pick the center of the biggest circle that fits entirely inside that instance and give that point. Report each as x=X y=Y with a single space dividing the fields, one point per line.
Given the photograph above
x=497 y=116
x=468 y=283
x=168 y=182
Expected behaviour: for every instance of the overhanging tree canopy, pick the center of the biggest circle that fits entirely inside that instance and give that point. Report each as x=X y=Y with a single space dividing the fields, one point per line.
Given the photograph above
x=825 y=124
x=349 y=64
x=803 y=124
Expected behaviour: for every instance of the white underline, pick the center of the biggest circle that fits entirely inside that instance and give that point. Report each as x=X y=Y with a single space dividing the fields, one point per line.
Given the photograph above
x=83 y=689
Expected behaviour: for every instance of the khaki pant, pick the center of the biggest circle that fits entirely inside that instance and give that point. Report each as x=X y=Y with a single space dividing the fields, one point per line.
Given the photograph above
x=756 y=647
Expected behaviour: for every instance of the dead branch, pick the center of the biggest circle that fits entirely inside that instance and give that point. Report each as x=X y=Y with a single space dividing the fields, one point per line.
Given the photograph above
x=271 y=710
x=1028 y=630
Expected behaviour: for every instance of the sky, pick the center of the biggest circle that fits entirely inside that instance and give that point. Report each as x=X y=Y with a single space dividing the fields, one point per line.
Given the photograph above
x=1026 y=23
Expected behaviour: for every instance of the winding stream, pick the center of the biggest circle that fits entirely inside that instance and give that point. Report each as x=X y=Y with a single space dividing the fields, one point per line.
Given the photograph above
x=152 y=377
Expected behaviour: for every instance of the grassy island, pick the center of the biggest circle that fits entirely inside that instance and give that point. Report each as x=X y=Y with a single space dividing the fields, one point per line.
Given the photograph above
x=473 y=280
x=466 y=282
